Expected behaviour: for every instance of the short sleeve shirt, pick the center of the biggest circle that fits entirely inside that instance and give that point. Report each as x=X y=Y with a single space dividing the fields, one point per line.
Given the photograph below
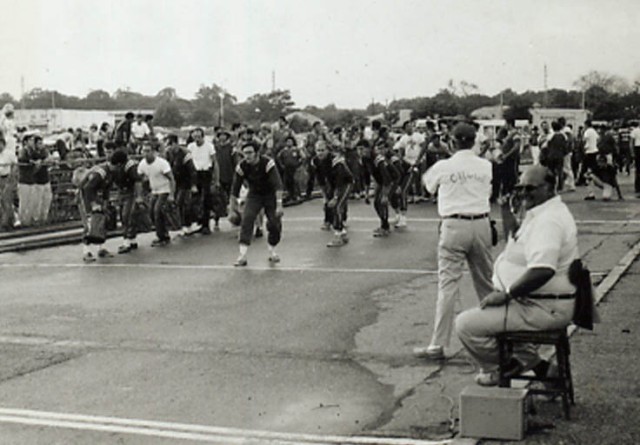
x=156 y=173
x=202 y=155
x=463 y=183
x=590 y=141
x=548 y=237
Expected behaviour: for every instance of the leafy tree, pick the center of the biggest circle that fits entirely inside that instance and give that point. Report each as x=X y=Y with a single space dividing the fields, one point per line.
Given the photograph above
x=202 y=116
x=168 y=114
x=271 y=105
x=98 y=100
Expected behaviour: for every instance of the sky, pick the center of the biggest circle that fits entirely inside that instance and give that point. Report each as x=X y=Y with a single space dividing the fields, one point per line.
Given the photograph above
x=345 y=52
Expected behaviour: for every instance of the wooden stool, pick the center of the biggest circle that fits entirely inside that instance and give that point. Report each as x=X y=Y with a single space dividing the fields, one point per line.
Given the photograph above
x=562 y=384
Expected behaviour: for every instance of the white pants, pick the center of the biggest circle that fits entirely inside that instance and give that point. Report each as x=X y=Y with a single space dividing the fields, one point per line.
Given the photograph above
x=460 y=241
x=569 y=179
x=477 y=328
x=27 y=203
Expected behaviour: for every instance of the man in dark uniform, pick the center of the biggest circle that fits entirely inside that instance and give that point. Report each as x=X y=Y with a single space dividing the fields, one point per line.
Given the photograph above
x=376 y=165
x=93 y=187
x=265 y=192
x=321 y=168
x=184 y=173
x=336 y=182
x=129 y=186
x=290 y=158
x=317 y=134
x=123 y=131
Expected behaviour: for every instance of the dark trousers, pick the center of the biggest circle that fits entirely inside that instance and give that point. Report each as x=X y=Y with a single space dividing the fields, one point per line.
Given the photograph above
x=381 y=209
x=159 y=220
x=252 y=207
x=290 y=184
x=183 y=202
x=311 y=180
x=203 y=183
x=636 y=154
x=399 y=198
x=127 y=203
x=338 y=213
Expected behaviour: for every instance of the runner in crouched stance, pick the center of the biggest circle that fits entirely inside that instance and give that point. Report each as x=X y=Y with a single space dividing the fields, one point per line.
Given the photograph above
x=261 y=176
x=336 y=182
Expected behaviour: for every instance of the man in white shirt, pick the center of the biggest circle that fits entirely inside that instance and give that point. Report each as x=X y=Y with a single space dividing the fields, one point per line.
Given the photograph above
x=635 y=145
x=411 y=148
x=163 y=186
x=139 y=129
x=8 y=163
x=590 y=162
x=531 y=281
x=463 y=183
x=203 y=154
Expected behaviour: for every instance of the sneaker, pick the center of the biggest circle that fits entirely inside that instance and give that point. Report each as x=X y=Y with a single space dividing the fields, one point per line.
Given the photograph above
x=104 y=253
x=589 y=198
x=274 y=258
x=124 y=249
x=258 y=233
x=88 y=257
x=325 y=226
x=430 y=352
x=205 y=231
x=381 y=233
x=487 y=378
x=240 y=262
x=367 y=201
x=344 y=236
x=134 y=246
x=402 y=223
x=338 y=241
x=159 y=242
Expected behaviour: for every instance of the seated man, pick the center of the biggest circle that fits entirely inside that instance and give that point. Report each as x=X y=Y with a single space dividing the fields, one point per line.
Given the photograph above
x=532 y=287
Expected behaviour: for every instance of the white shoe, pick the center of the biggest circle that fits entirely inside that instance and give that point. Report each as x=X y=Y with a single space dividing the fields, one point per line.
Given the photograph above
x=487 y=378
x=402 y=222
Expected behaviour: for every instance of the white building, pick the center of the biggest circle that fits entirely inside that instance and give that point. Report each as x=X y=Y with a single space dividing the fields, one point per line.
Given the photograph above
x=52 y=120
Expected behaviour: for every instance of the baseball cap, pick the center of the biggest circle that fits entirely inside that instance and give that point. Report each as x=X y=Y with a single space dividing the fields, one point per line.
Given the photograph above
x=464 y=131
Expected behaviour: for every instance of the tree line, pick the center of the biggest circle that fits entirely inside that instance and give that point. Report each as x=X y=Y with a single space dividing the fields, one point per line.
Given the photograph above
x=607 y=96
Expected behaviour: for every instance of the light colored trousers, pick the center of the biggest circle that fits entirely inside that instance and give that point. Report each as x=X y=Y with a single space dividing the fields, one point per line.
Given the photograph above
x=460 y=241
x=567 y=171
x=34 y=203
x=477 y=328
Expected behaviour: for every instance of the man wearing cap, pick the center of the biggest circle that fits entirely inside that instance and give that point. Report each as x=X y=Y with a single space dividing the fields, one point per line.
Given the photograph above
x=532 y=290
x=463 y=184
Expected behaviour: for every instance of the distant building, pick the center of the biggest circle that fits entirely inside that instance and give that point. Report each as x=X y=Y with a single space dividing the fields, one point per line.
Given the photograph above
x=491 y=112
x=56 y=119
x=574 y=117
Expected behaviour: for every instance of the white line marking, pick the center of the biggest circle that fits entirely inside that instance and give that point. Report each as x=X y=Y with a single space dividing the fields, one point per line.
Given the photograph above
x=188 y=431
x=215 y=267
x=431 y=220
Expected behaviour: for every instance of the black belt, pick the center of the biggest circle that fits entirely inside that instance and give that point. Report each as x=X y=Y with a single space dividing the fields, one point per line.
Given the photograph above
x=551 y=296
x=467 y=217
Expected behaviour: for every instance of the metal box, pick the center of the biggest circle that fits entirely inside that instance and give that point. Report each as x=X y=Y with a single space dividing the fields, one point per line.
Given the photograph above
x=493 y=413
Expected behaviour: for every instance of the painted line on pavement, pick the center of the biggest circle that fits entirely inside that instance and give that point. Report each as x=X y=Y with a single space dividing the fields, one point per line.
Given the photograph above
x=192 y=432
x=374 y=219
x=215 y=267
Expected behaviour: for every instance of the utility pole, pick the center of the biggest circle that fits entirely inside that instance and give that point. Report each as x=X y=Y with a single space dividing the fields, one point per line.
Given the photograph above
x=273 y=80
x=546 y=98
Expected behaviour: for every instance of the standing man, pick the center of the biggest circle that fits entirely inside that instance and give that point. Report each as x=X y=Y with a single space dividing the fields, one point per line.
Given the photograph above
x=203 y=154
x=8 y=162
x=163 y=188
x=140 y=131
x=591 y=139
x=265 y=192
x=8 y=127
x=129 y=186
x=123 y=131
x=463 y=183
x=411 y=147
x=317 y=134
x=184 y=174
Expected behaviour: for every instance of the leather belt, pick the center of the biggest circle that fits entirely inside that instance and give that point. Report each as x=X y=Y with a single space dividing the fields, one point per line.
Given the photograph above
x=467 y=217
x=551 y=296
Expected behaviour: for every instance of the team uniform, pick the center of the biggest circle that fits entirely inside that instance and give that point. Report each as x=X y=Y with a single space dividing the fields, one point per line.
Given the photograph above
x=321 y=169
x=184 y=173
x=400 y=172
x=337 y=182
x=377 y=168
x=263 y=180
x=126 y=180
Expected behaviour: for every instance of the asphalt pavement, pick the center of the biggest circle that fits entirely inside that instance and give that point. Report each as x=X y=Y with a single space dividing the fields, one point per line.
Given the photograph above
x=175 y=345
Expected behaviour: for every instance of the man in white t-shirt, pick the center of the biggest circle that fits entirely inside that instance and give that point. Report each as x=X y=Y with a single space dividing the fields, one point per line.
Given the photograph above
x=203 y=154
x=411 y=148
x=158 y=172
x=635 y=145
x=590 y=162
x=140 y=131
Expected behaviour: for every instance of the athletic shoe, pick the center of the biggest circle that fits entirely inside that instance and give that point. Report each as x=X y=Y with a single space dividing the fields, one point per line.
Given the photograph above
x=589 y=198
x=380 y=233
x=205 y=231
x=124 y=249
x=487 y=378
x=274 y=258
x=159 y=242
x=240 y=262
x=430 y=352
x=338 y=241
x=88 y=257
x=259 y=233
x=134 y=246
x=325 y=226
x=402 y=222
x=104 y=253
